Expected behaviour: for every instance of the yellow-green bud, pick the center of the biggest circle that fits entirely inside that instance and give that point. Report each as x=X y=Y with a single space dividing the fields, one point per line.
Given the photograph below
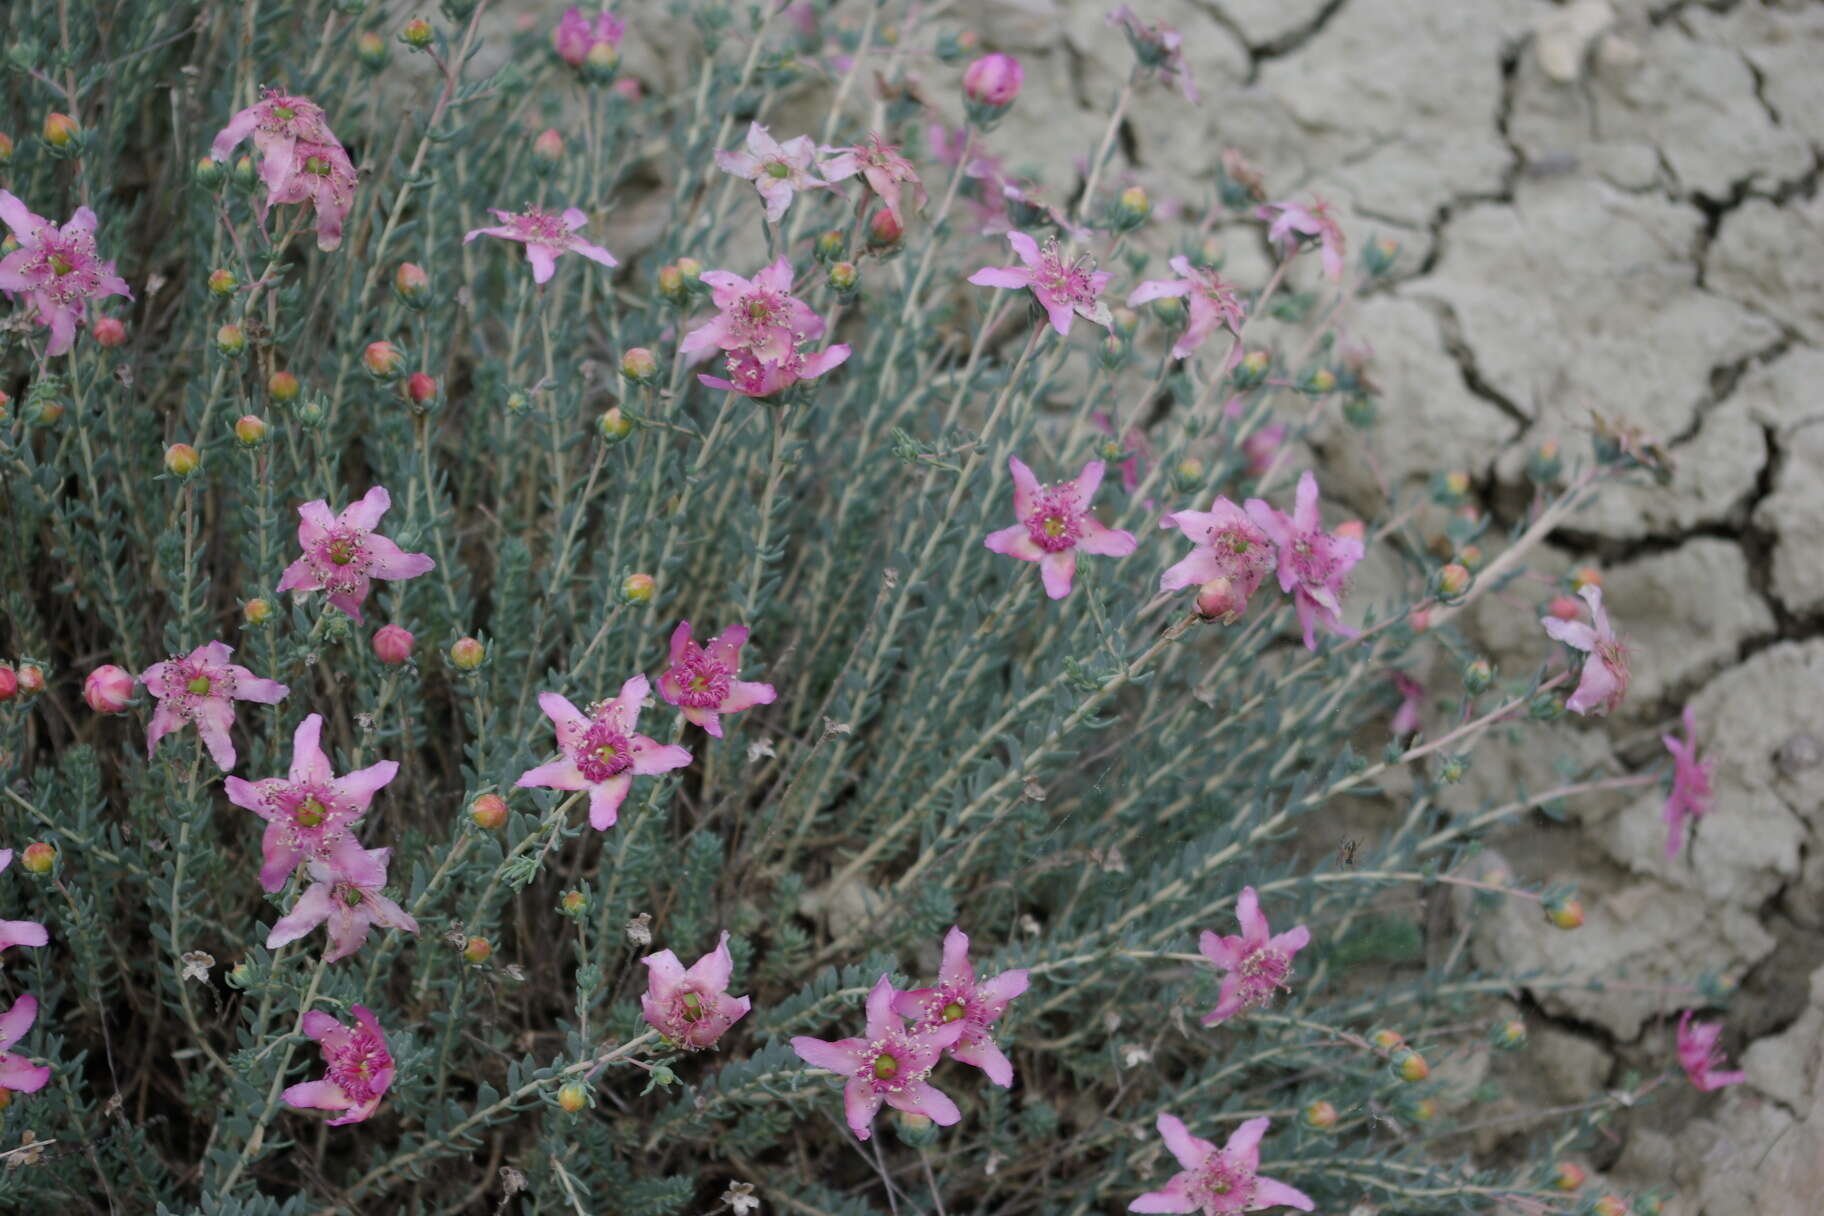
x=181 y=460
x=38 y=858
x=614 y=426
x=1320 y=1116
x=572 y=1097
x=250 y=429
x=638 y=588
x=488 y=812
x=231 y=340
x=222 y=282
x=256 y=611
x=416 y=34
x=282 y=387
x=467 y=654
x=640 y=365
x=477 y=950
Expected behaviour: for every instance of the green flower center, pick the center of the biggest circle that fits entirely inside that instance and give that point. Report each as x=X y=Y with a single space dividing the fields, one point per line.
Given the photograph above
x=316 y=165
x=310 y=813
x=885 y=1066
x=779 y=169
x=61 y=264
x=199 y=685
x=953 y=1011
x=341 y=552
x=284 y=113
x=693 y=1007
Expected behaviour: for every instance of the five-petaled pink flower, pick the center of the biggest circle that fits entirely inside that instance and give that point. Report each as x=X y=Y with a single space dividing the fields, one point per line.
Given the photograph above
x=309 y=814
x=1062 y=291
x=1690 y=796
x=202 y=687
x=16 y=1072
x=1219 y=1181
x=1212 y=304
x=1291 y=222
x=753 y=376
x=576 y=35
x=301 y=160
x=1314 y=565
x=692 y=1008
x=759 y=315
x=1258 y=962
x=959 y=998
x=19 y=932
x=1701 y=1056
x=350 y=901
x=1604 y=681
x=888 y=1066
x=1054 y=523
x=601 y=752
x=1158 y=46
x=546 y=237
x=359 y=1068
x=701 y=679
x=881 y=166
x=777 y=170
x=56 y=269
x=343 y=554
x=1229 y=546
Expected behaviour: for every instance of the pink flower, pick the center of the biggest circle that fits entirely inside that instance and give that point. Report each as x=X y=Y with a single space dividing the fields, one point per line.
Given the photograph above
x=993 y=80
x=310 y=813
x=1229 y=546
x=701 y=679
x=888 y=1066
x=350 y=901
x=1290 y=222
x=1257 y=964
x=1219 y=1181
x=56 y=269
x=1061 y=290
x=1054 y=523
x=1212 y=305
x=1690 y=796
x=881 y=166
x=692 y=1008
x=959 y=999
x=777 y=170
x=759 y=315
x=600 y=751
x=1700 y=1055
x=108 y=689
x=16 y=1072
x=1313 y=565
x=202 y=687
x=343 y=554
x=576 y=34
x=1406 y=718
x=359 y=1067
x=752 y=376
x=545 y=236
x=1157 y=46
x=19 y=932
x=1604 y=681
x=293 y=139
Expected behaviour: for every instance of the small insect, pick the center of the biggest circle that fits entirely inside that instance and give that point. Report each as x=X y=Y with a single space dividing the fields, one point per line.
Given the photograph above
x=1346 y=853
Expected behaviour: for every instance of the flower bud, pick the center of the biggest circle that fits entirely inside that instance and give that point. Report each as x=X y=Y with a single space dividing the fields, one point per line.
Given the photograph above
x=1131 y=209
x=1320 y=1116
x=993 y=81
x=1170 y=310
x=1422 y=1111
x=638 y=588
x=614 y=426
x=1114 y=352
x=1319 y=382
x=1124 y=322
x=1585 y=576
x=1450 y=582
x=1477 y=675
x=1472 y=558
x=61 y=131
x=884 y=230
x=1509 y=1035
x=640 y=365
x=38 y=858
x=181 y=460
x=9 y=682
x=1351 y=529
x=572 y=1097
x=282 y=387
x=1546 y=707
x=547 y=151
x=1379 y=255
x=1452 y=768
x=1564 y=911
x=416 y=33
x=108 y=689
x=601 y=63
x=31 y=679
x=954 y=46
x=392 y=644
x=43 y=410
x=1448 y=489
x=1610 y=1204
x=1251 y=370
x=1188 y=473
x=250 y=430
x=672 y=285
x=383 y=360
x=1568 y=1175
x=1409 y=1065
x=467 y=654
x=917 y=1131
x=477 y=950
x=1544 y=464
x=412 y=286
x=372 y=51
x=573 y=903
x=1419 y=620
x=1359 y=411
x=6 y=149
x=1387 y=1039
x=488 y=812
x=209 y=173
x=844 y=278
x=420 y=388
x=256 y=611
x=830 y=246
x=1218 y=600
x=246 y=177
x=222 y=282
x=517 y=403
x=1564 y=608
x=109 y=332
x=231 y=340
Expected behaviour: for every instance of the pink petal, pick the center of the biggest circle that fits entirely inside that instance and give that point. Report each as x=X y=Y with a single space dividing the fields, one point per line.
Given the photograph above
x=312 y=909
x=23 y=933
x=745 y=694
x=279 y=857
x=595 y=253
x=22 y=1075
x=387 y=560
x=1014 y=542
x=860 y=1103
x=985 y=1055
x=360 y=786
x=1026 y=248
x=1304 y=513
x=605 y=801
x=740 y=164
x=1001 y=276
x=1291 y=941
x=318 y=1026
x=308 y=763
x=714 y=969
x=299 y=577
x=557 y=775
x=366 y=512
x=708 y=719
x=1195 y=570
x=777 y=277
x=1025 y=487
x=1058 y=310
x=842 y=1057
x=1191 y=1151
x=924 y=1098
x=956 y=971
x=1174 y=1198
x=1155 y=289
x=1104 y=541
x=249 y=687
x=1254 y=930
x=1222 y=951
x=1003 y=988
x=1056 y=570
x=543 y=259
x=568 y=720
x=165 y=719
x=1574 y=634
x=880 y=1019
x=821 y=362
x=213 y=718
x=1228 y=1000
x=17 y=1020
x=1270 y=1192
x=316 y=1095
x=1244 y=1141
x=627 y=701
x=239 y=128
x=650 y=761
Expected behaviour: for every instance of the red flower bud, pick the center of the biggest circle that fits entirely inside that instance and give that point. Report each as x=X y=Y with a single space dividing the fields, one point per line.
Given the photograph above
x=392 y=645
x=108 y=689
